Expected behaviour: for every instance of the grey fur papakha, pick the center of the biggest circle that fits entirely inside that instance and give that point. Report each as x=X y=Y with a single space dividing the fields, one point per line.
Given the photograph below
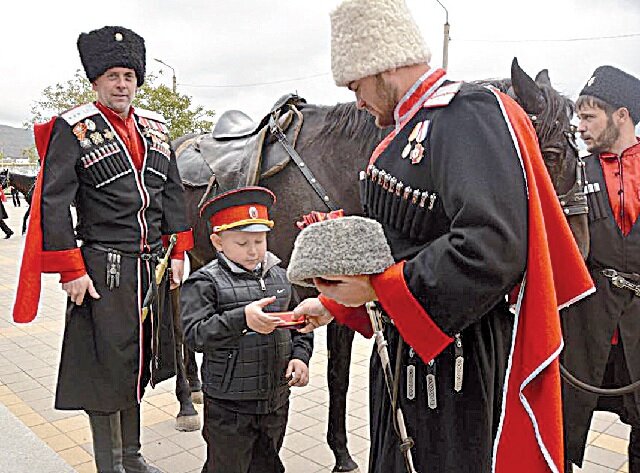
x=344 y=246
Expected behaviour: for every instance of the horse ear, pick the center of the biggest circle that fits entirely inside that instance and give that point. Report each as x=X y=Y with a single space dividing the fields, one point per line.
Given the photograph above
x=528 y=93
x=543 y=78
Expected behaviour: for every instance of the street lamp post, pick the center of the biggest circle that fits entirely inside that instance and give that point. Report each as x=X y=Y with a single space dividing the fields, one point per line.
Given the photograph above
x=445 y=44
x=172 y=70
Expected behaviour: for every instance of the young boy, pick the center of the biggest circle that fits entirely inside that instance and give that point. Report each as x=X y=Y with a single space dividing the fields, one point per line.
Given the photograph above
x=249 y=363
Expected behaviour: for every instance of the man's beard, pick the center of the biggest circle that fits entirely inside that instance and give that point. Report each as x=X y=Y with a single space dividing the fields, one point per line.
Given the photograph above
x=388 y=101
x=604 y=143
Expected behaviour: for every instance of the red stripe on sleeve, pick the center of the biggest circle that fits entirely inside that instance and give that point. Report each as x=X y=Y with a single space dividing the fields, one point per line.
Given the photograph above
x=184 y=243
x=62 y=261
x=355 y=318
x=412 y=321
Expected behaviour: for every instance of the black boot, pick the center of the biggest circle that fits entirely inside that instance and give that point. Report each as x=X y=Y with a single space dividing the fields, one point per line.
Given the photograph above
x=107 y=442
x=133 y=460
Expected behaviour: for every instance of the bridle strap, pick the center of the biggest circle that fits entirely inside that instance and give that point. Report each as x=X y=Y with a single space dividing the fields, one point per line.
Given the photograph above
x=276 y=131
x=574 y=202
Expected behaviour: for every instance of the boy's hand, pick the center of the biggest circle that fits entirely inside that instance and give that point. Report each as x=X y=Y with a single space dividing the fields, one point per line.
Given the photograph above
x=259 y=321
x=298 y=371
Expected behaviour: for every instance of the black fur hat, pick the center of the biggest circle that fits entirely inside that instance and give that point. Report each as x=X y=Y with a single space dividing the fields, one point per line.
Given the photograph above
x=615 y=87
x=112 y=46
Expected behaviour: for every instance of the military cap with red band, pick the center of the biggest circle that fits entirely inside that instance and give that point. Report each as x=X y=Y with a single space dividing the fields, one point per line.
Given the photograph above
x=245 y=209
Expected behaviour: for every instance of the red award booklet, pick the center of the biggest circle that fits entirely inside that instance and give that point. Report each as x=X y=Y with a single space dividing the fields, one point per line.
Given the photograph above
x=289 y=319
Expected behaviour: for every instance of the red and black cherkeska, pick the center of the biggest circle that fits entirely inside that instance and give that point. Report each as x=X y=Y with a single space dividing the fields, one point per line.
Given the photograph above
x=488 y=221
x=122 y=178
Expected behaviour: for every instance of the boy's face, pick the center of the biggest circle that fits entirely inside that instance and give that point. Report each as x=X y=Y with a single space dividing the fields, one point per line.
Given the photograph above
x=246 y=249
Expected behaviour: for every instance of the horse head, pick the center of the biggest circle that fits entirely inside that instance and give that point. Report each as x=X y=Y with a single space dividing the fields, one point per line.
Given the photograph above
x=551 y=115
x=4 y=178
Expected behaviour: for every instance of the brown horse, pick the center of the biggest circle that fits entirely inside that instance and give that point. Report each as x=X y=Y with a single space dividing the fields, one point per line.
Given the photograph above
x=335 y=143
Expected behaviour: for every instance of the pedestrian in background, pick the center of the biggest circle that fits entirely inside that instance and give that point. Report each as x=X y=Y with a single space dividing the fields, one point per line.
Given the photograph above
x=3 y=215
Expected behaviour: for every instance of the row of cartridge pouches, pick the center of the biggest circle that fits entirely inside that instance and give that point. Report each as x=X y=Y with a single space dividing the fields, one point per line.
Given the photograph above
x=391 y=184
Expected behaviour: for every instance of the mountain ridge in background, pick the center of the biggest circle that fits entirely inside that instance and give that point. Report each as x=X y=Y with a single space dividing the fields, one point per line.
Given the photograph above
x=13 y=140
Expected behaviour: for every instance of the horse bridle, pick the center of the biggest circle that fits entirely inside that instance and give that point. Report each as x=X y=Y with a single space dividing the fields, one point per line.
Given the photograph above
x=276 y=131
x=574 y=201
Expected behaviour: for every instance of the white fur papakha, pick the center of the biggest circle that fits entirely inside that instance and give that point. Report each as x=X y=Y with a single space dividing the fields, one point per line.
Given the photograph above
x=344 y=246
x=372 y=36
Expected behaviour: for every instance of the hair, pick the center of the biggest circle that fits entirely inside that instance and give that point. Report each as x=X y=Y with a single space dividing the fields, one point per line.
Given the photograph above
x=595 y=102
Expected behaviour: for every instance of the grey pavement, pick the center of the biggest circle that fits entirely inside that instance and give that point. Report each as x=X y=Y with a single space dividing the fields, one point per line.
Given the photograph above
x=22 y=450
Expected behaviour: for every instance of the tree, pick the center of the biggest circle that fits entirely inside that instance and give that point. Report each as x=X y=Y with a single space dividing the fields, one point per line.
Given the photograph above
x=177 y=109
x=30 y=153
x=182 y=117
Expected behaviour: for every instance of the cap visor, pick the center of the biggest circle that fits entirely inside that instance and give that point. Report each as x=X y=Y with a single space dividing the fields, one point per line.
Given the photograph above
x=255 y=227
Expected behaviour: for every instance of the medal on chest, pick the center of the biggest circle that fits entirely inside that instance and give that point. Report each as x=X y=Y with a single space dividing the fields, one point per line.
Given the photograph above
x=414 y=149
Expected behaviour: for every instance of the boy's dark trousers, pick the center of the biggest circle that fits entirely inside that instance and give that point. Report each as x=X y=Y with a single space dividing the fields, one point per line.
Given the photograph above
x=242 y=443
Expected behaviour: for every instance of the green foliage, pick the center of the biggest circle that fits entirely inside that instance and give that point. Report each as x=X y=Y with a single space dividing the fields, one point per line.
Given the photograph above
x=182 y=117
x=176 y=108
x=60 y=97
x=30 y=153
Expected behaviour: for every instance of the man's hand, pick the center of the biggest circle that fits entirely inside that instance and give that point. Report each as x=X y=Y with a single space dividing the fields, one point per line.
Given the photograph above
x=298 y=371
x=350 y=291
x=77 y=289
x=316 y=315
x=259 y=321
x=177 y=272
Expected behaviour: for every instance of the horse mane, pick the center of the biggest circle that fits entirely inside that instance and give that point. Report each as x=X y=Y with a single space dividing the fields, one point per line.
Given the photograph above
x=503 y=85
x=550 y=121
x=345 y=119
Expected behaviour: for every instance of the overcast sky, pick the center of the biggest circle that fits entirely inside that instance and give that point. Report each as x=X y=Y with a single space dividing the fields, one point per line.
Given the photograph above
x=221 y=49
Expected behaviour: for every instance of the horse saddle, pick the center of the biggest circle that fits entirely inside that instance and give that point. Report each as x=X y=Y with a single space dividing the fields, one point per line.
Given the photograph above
x=238 y=151
x=234 y=124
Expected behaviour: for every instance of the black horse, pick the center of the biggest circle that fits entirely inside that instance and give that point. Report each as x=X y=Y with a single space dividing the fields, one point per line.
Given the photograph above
x=25 y=184
x=335 y=143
